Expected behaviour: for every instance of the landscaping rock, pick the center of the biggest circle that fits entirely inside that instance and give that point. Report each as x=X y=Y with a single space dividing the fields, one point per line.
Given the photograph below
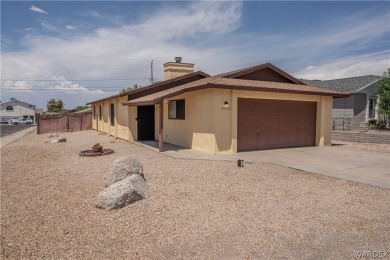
x=63 y=139
x=55 y=141
x=122 y=193
x=52 y=135
x=124 y=167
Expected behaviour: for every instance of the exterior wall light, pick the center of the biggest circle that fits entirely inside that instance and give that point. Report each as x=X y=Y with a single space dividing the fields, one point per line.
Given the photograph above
x=226 y=104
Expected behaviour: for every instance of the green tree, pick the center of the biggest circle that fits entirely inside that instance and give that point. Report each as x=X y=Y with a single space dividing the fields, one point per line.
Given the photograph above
x=125 y=90
x=79 y=108
x=55 y=106
x=383 y=88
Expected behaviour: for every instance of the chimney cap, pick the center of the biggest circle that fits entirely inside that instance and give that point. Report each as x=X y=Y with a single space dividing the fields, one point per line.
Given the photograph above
x=178 y=59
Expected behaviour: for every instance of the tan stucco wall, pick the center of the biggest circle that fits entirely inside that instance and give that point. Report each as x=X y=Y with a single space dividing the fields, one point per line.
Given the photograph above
x=122 y=118
x=208 y=126
x=211 y=127
x=120 y=128
x=197 y=130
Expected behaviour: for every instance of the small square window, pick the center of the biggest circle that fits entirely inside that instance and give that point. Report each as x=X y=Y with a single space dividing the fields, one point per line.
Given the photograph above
x=176 y=109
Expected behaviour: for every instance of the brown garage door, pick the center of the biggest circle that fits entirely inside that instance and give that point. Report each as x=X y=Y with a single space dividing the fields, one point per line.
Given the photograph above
x=270 y=124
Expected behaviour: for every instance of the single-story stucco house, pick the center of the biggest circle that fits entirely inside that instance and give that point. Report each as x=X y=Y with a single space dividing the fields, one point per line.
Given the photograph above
x=255 y=108
x=360 y=107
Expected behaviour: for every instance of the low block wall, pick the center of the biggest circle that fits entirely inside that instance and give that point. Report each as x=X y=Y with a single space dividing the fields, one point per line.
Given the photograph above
x=363 y=137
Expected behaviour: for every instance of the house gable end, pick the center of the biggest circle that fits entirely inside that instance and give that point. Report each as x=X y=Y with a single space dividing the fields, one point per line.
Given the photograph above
x=264 y=72
x=17 y=103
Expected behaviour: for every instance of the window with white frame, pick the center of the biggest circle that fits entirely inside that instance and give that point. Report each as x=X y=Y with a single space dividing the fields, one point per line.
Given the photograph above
x=9 y=108
x=372 y=107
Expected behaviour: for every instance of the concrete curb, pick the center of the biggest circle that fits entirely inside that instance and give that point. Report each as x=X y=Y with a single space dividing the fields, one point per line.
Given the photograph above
x=5 y=140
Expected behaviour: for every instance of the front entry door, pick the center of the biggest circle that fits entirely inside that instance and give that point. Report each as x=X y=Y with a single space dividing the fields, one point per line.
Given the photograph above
x=145 y=123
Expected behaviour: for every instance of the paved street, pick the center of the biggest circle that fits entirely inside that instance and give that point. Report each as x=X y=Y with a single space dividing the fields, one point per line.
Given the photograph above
x=10 y=129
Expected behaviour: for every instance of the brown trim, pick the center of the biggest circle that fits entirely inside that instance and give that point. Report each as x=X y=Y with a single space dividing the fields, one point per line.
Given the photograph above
x=221 y=86
x=142 y=103
x=279 y=90
x=165 y=82
x=162 y=83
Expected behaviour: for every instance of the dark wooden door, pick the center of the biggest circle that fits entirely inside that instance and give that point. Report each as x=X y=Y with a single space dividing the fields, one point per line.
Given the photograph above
x=269 y=124
x=145 y=123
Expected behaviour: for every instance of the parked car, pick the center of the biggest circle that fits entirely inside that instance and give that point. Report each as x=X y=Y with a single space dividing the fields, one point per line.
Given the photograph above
x=4 y=121
x=14 y=119
x=26 y=121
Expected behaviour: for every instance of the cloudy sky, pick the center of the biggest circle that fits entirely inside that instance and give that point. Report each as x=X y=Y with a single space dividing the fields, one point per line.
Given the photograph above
x=81 y=51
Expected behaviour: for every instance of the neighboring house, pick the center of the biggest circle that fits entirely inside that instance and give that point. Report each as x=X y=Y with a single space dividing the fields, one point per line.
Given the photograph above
x=260 y=107
x=360 y=107
x=16 y=108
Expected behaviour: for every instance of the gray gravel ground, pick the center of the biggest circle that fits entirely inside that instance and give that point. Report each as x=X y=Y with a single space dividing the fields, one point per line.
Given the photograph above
x=194 y=209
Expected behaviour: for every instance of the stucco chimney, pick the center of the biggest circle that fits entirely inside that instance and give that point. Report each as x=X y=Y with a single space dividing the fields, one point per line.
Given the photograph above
x=177 y=68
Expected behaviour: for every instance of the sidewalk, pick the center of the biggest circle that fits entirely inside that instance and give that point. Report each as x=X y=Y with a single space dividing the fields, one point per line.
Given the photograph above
x=5 y=140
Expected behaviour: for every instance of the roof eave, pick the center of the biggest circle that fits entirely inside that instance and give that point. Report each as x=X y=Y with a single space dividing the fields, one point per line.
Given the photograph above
x=265 y=65
x=139 y=103
x=269 y=89
x=103 y=99
x=368 y=85
x=165 y=82
x=249 y=88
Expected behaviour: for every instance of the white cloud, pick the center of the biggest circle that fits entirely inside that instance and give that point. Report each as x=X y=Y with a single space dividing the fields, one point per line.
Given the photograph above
x=70 y=27
x=372 y=64
x=204 y=33
x=38 y=10
x=48 y=26
x=17 y=85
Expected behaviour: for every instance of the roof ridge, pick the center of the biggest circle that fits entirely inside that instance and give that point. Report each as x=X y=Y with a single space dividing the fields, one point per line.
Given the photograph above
x=370 y=75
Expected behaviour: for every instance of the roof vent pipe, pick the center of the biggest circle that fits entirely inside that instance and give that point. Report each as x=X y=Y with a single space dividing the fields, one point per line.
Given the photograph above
x=178 y=59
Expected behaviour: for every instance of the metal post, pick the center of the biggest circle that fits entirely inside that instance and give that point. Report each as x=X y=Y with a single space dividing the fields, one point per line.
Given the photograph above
x=151 y=72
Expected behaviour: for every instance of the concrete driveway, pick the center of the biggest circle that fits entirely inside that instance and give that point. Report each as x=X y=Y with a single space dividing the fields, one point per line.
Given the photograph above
x=355 y=165
x=361 y=166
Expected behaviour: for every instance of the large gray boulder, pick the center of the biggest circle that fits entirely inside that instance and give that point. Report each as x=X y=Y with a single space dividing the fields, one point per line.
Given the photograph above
x=122 y=193
x=124 y=167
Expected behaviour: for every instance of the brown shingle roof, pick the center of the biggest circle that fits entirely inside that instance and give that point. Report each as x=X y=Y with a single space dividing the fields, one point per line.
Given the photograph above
x=157 y=86
x=238 y=84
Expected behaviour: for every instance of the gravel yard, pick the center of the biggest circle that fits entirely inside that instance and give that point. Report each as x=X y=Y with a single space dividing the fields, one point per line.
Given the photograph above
x=362 y=146
x=194 y=210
